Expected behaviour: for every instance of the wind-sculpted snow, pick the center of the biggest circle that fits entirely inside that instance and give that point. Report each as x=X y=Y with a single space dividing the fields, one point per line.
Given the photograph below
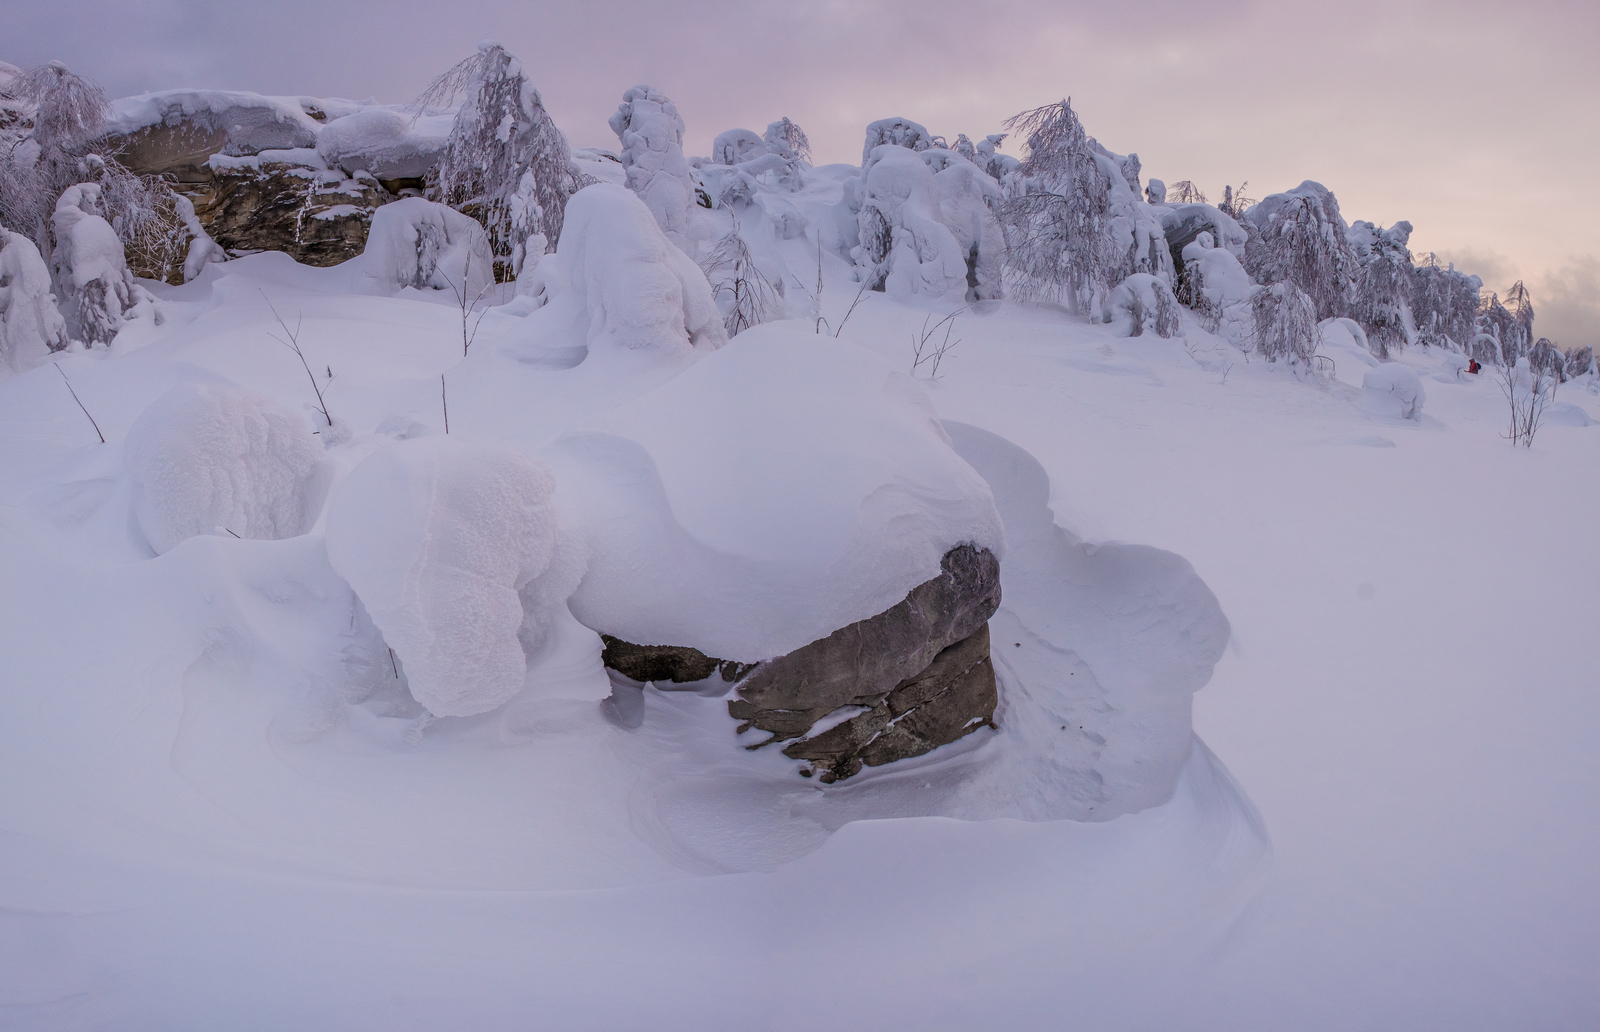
x=735 y=509
x=1392 y=390
x=651 y=132
x=905 y=245
x=91 y=268
x=418 y=243
x=452 y=547
x=30 y=324
x=214 y=458
x=616 y=282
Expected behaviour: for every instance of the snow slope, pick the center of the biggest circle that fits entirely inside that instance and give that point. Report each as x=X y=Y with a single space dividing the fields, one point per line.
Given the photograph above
x=223 y=810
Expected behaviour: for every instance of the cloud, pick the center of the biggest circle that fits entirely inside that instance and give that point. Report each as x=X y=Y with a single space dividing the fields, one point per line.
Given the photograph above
x=1567 y=304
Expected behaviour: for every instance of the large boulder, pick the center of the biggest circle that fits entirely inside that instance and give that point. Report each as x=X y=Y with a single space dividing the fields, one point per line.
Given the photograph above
x=289 y=201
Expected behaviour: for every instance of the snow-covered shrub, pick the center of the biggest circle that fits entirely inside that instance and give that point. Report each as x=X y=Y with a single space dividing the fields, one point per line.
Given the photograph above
x=97 y=291
x=417 y=243
x=68 y=113
x=999 y=167
x=1143 y=303
x=906 y=249
x=651 y=131
x=737 y=146
x=506 y=162
x=617 y=281
x=1301 y=238
x=1284 y=323
x=968 y=199
x=1392 y=390
x=457 y=554
x=1216 y=286
x=1580 y=362
x=1155 y=191
x=787 y=140
x=30 y=325
x=898 y=132
x=1384 y=284
x=1444 y=305
x=214 y=458
x=743 y=293
x=1546 y=358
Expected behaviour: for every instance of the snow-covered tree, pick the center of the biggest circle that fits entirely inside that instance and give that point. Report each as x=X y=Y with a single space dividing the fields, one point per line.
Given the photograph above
x=30 y=325
x=651 y=131
x=62 y=115
x=97 y=292
x=787 y=140
x=1285 y=323
x=1580 y=362
x=744 y=296
x=506 y=163
x=1444 y=304
x=1384 y=284
x=906 y=248
x=1300 y=237
x=901 y=132
x=1504 y=329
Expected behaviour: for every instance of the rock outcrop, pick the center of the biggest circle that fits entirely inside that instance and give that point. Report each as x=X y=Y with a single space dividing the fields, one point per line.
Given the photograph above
x=271 y=202
x=918 y=675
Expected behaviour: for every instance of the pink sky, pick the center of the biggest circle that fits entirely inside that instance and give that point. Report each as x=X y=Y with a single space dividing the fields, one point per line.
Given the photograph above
x=1477 y=122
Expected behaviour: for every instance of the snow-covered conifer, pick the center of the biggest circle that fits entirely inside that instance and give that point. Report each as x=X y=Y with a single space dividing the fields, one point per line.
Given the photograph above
x=651 y=131
x=506 y=163
x=30 y=325
x=1384 y=285
x=97 y=291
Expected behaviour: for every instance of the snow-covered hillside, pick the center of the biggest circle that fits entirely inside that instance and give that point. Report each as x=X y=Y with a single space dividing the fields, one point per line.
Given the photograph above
x=315 y=581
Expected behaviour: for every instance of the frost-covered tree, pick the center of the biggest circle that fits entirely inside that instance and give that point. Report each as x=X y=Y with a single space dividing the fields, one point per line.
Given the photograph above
x=1544 y=357
x=1444 y=304
x=1504 y=329
x=506 y=163
x=30 y=325
x=787 y=140
x=1185 y=192
x=1580 y=362
x=62 y=115
x=744 y=296
x=901 y=132
x=1384 y=284
x=1284 y=323
x=651 y=132
x=1300 y=237
x=96 y=291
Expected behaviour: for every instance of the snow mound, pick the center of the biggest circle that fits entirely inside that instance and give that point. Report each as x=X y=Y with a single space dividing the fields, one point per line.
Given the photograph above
x=615 y=282
x=214 y=458
x=1563 y=413
x=1392 y=390
x=777 y=490
x=244 y=123
x=91 y=267
x=456 y=553
x=30 y=325
x=388 y=143
x=418 y=243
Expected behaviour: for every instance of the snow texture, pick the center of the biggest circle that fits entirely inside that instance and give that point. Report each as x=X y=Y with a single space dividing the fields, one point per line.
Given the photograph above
x=700 y=491
x=214 y=458
x=30 y=325
x=91 y=269
x=421 y=244
x=616 y=282
x=651 y=131
x=1394 y=391
x=452 y=548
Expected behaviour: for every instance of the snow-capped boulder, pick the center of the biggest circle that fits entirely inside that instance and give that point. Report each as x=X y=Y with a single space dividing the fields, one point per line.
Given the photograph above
x=214 y=458
x=98 y=291
x=616 y=282
x=906 y=249
x=1392 y=390
x=390 y=144
x=651 y=131
x=457 y=554
x=30 y=325
x=422 y=244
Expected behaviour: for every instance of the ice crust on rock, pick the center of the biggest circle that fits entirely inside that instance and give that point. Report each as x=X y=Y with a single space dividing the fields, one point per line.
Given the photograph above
x=738 y=509
x=1392 y=390
x=422 y=244
x=30 y=325
x=456 y=552
x=214 y=458
x=615 y=282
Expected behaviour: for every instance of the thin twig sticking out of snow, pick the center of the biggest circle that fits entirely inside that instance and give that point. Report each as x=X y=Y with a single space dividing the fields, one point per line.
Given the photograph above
x=920 y=345
x=445 y=401
x=463 y=302
x=293 y=344
x=80 y=402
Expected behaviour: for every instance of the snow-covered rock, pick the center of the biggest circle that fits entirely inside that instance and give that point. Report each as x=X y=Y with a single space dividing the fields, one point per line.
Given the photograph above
x=418 y=243
x=30 y=325
x=651 y=131
x=616 y=282
x=775 y=491
x=214 y=458
x=389 y=143
x=457 y=554
x=1392 y=390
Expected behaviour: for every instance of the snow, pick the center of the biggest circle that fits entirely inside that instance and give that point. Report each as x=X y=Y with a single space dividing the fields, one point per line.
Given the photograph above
x=214 y=458
x=88 y=257
x=390 y=143
x=421 y=244
x=616 y=281
x=227 y=807
x=442 y=540
x=923 y=256
x=651 y=132
x=1392 y=390
x=30 y=325
x=697 y=490
x=248 y=122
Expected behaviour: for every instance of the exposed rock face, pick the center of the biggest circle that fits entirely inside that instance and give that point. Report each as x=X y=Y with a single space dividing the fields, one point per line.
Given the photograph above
x=919 y=672
x=316 y=216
